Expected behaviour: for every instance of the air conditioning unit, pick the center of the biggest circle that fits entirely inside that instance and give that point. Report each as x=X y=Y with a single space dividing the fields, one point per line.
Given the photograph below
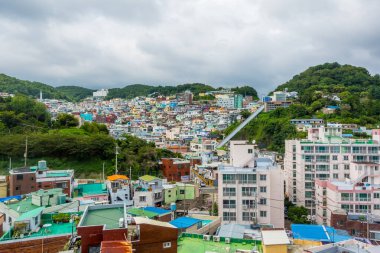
x=227 y=240
x=206 y=237
x=216 y=239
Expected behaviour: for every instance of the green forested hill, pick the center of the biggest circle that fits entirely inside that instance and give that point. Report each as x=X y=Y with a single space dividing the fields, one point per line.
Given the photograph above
x=75 y=93
x=136 y=90
x=352 y=89
x=13 y=85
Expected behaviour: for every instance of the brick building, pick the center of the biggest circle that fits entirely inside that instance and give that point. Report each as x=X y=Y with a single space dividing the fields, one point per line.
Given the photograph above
x=30 y=179
x=175 y=169
x=101 y=224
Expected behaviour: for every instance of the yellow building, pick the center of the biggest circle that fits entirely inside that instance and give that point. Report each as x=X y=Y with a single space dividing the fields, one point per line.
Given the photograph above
x=275 y=241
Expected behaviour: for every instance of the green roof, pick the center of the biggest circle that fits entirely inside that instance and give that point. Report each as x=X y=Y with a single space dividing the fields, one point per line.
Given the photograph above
x=105 y=216
x=190 y=245
x=148 y=178
x=31 y=214
x=57 y=174
x=141 y=212
x=91 y=189
x=23 y=206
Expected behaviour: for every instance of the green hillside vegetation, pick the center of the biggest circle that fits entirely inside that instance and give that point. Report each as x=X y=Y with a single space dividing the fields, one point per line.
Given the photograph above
x=62 y=143
x=137 y=90
x=17 y=86
x=75 y=93
x=246 y=91
x=359 y=103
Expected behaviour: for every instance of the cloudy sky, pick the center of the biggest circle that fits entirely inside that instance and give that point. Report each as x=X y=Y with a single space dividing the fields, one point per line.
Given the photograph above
x=262 y=43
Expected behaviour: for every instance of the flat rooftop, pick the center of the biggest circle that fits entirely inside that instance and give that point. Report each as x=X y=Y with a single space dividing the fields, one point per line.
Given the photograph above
x=191 y=245
x=105 y=216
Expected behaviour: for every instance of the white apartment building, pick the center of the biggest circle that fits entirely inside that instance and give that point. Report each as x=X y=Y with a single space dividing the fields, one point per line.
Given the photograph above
x=119 y=190
x=100 y=93
x=148 y=192
x=324 y=155
x=250 y=188
x=226 y=101
x=358 y=195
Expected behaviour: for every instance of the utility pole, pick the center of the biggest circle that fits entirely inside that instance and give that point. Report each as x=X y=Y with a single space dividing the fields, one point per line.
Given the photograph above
x=116 y=153
x=103 y=172
x=26 y=151
x=367 y=225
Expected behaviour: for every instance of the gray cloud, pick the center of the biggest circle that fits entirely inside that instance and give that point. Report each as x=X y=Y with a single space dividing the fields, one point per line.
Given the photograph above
x=114 y=43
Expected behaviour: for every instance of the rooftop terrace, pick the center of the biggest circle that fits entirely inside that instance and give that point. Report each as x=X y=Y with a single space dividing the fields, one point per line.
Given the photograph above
x=103 y=216
x=189 y=243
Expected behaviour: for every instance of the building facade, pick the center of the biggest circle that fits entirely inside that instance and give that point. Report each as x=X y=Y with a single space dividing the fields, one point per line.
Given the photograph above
x=249 y=188
x=324 y=155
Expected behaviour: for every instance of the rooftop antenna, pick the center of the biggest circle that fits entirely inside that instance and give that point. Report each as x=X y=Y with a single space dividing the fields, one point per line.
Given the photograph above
x=26 y=151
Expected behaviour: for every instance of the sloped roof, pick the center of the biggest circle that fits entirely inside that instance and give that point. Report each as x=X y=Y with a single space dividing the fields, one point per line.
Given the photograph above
x=31 y=214
x=116 y=247
x=141 y=220
x=148 y=178
x=184 y=222
x=117 y=177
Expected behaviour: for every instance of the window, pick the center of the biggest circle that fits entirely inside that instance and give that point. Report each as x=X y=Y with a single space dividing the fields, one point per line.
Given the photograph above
x=229 y=216
x=229 y=178
x=263 y=177
x=346 y=175
x=263 y=189
x=36 y=220
x=263 y=213
x=248 y=216
x=167 y=245
x=334 y=157
x=17 y=188
x=181 y=191
x=250 y=151
x=347 y=167
x=263 y=201
x=228 y=191
x=335 y=176
x=248 y=191
x=32 y=178
x=376 y=195
x=229 y=203
x=9 y=219
x=335 y=166
x=308 y=194
x=309 y=185
x=142 y=198
x=346 y=196
x=19 y=177
x=294 y=148
x=247 y=178
x=248 y=203
x=345 y=157
x=376 y=207
x=62 y=185
x=335 y=149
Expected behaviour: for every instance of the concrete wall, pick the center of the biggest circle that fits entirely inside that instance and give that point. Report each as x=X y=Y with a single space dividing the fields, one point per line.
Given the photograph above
x=275 y=248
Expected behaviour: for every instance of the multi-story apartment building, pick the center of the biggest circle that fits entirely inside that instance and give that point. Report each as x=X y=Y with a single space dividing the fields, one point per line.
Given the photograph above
x=119 y=190
x=324 y=155
x=148 y=192
x=250 y=188
x=29 y=179
x=359 y=195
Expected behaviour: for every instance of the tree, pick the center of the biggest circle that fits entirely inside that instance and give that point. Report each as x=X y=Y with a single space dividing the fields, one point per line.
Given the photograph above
x=245 y=113
x=93 y=127
x=214 y=210
x=298 y=214
x=65 y=120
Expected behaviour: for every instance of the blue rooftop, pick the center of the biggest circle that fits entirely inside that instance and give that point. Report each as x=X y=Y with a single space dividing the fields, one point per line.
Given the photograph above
x=318 y=233
x=156 y=210
x=18 y=197
x=184 y=222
